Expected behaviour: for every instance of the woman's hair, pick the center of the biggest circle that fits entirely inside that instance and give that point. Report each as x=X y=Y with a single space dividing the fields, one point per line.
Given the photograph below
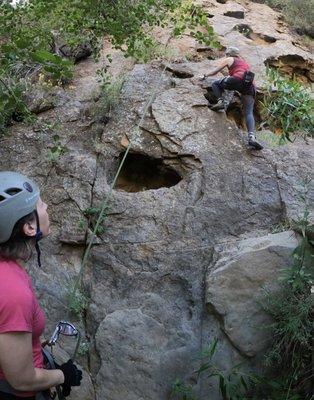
x=19 y=244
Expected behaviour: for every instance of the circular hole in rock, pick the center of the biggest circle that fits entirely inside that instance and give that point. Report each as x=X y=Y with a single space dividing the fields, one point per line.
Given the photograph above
x=141 y=172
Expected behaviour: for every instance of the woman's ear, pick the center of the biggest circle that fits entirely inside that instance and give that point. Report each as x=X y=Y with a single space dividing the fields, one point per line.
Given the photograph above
x=30 y=229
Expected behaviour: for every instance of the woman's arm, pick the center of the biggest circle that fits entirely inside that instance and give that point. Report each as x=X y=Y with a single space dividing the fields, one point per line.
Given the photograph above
x=16 y=361
x=224 y=62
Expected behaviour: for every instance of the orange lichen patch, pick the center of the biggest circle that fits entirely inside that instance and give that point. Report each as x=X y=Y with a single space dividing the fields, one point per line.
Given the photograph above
x=124 y=141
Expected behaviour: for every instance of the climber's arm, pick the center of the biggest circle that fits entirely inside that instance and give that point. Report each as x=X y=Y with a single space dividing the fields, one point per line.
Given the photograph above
x=224 y=62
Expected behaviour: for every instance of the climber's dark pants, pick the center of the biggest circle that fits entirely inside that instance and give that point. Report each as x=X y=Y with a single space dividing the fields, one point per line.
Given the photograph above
x=247 y=97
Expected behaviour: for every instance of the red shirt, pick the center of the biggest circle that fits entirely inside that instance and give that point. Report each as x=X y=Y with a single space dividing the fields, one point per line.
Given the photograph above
x=238 y=67
x=19 y=308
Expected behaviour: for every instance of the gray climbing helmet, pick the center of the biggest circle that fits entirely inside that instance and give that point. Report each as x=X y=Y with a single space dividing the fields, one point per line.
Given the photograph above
x=232 y=51
x=18 y=197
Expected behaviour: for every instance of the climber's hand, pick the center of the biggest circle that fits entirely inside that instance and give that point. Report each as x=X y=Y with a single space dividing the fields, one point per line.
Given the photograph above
x=197 y=78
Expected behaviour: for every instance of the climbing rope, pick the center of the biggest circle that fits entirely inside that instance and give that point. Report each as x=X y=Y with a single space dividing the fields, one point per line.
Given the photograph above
x=107 y=198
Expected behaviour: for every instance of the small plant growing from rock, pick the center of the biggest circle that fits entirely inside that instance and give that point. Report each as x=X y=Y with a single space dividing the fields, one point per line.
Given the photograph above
x=77 y=300
x=233 y=384
x=83 y=350
x=55 y=152
x=12 y=102
x=108 y=96
x=93 y=213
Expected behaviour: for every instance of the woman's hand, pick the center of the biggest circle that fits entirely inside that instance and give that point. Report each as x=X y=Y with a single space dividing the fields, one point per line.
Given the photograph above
x=72 y=376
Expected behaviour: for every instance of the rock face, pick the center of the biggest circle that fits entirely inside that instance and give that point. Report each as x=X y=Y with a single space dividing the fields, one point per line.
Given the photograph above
x=149 y=274
x=262 y=37
x=174 y=267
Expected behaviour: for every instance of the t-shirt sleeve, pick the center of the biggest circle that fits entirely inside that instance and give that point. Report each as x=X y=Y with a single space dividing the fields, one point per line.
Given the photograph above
x=16 y=305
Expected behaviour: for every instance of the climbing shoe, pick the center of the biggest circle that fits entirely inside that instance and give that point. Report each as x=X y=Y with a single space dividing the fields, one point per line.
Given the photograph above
x=254 y=143
x=220 y=105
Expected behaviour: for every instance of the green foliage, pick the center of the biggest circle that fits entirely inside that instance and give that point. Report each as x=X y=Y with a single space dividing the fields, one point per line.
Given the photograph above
x=183 y=392
x=55 y=152
x=29 y=33
x=270 y=138
x=233 y=384
x=289 y=358
x=192 y=18
x=12 y=104
x=150 y=49
x=93 y=214
x=287 y=106
x=77 y=301
x=83 y=349
x=281 y=227
x=109 y=94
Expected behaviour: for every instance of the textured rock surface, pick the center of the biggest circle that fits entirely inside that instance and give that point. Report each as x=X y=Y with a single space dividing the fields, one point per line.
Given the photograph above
x=238 y=281
x=146 y=278
x=256 y=44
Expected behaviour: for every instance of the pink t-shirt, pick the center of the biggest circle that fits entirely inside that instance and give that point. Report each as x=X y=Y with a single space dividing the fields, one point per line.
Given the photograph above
x=238 y=68
x=19 y=308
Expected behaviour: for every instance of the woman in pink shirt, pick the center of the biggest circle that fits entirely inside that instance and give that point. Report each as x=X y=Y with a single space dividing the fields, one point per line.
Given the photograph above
x=23 y=222
x=237 y=67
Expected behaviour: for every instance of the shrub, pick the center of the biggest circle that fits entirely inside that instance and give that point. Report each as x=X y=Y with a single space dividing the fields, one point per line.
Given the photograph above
x=28 y=34
x=108 y=96
x=233 y=384
x=12 y=106
x=77 y=301
x=287 y=106
x=288 y=361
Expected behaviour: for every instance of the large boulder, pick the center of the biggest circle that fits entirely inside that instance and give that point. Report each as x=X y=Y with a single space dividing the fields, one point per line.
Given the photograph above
x=237 y=283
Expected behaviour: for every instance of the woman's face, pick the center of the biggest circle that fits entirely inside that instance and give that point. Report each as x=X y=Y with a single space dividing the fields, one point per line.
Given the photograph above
x=43 y=216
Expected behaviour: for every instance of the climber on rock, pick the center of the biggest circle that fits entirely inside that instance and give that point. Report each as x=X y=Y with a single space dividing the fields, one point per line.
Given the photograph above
x=240 y=78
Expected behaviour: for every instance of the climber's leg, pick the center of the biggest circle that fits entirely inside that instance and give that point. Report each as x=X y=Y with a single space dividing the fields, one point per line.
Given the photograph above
x=227 y=83
x=248 y=107
x=217 y=89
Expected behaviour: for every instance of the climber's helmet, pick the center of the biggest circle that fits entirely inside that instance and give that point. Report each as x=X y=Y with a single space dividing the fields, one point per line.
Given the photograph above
x=232 y=51
x=18 y=197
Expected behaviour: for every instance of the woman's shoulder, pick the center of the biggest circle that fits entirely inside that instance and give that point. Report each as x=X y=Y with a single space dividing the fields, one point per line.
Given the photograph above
x=12 y=275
